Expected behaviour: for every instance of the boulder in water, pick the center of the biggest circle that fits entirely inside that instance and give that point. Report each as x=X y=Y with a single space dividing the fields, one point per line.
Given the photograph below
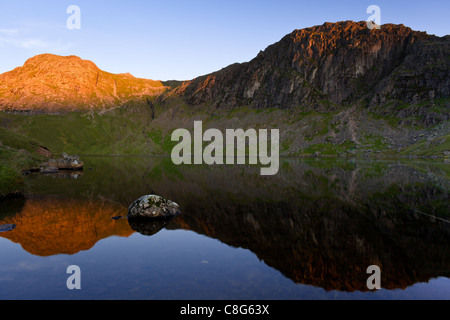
x=153 y=207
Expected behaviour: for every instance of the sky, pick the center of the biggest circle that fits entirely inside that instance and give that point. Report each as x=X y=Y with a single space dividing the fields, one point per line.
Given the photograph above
x=183 y=39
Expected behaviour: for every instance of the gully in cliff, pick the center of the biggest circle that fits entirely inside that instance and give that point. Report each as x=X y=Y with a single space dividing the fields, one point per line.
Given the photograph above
x=235 y=144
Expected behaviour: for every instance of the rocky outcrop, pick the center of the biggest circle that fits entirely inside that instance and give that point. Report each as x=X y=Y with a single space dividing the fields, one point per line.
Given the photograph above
x=65 y=163
x=334 y=64
x=50 y=83
x=153 y=207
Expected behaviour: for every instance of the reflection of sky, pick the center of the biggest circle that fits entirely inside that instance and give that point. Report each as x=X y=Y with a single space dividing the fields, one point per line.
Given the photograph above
x=185 y=39
x=169 y=265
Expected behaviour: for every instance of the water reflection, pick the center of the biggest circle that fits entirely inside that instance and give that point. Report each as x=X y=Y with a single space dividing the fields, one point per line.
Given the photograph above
x=49 y=226
x=148 y=227
x=66 y=174
x=320 y=223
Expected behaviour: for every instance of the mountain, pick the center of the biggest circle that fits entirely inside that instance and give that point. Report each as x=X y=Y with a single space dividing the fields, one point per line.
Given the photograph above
x=53 y=83
x=318 y=68
x=337 y=89
x=324 y=67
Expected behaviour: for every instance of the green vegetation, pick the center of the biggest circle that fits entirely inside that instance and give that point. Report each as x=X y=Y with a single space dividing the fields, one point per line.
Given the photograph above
x=390 y=120
x=137 y=129
x=374 y=142
x=435 y=147
x=329 y=149
x=164 y=142
x=121 y=131
x=17 y=153
x=319 y=127
x=11 y=182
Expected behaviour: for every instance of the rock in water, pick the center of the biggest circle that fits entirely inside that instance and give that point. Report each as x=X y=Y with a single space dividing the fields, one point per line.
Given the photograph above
x=65 y=163
x=7 y=227
x=154 y=207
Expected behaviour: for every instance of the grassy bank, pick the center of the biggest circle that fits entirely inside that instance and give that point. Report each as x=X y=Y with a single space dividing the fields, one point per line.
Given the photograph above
x=11 y=182
x=17 y=154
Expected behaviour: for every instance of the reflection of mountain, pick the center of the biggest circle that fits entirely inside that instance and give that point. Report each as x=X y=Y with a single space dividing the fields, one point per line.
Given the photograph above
x=325 y=226
x=318 y=222
x=50 y=226
x=328 y=243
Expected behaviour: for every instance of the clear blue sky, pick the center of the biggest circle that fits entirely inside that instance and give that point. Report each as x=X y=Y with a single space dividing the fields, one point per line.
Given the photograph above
x=183 y=39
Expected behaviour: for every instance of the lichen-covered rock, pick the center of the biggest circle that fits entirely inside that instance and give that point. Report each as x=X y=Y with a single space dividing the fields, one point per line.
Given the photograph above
x=154 y=207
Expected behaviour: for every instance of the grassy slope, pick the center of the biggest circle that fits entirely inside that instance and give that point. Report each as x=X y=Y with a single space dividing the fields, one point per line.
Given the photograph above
x=17 y=152
x=432 y=147
x=11 y=181
x=132 y=130
x=121 y=131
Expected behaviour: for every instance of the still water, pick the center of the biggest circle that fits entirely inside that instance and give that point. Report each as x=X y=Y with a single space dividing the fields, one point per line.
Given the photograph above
x=309 y=232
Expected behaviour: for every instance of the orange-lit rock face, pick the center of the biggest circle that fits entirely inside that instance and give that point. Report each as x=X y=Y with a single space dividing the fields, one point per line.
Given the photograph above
x=335 y=62
x=54 y=83
x=51 y=226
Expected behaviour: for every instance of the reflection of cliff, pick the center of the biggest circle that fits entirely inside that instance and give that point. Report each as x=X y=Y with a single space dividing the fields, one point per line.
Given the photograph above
x=324 y=226
x=50 y=226
x=318 y=222
x=327 y=243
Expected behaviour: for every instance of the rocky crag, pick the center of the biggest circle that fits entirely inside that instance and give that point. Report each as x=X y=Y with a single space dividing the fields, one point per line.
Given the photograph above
x=50 y=83
x=334 y=89
x=332 y=65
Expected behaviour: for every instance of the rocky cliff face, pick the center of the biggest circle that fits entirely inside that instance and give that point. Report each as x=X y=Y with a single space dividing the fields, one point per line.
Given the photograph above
x=321 y=68
x=332 y=65
x=335 y=89
x=52 y=83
